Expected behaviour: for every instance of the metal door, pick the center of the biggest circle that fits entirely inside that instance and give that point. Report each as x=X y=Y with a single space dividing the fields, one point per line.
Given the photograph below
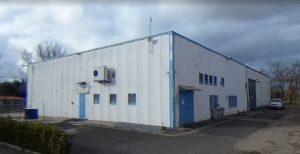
x=186 y=107
x=82 y=106
x=252 y=94
x=213 y=103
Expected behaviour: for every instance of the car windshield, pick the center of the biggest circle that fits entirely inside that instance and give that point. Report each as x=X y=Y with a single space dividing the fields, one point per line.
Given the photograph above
x=276 y=100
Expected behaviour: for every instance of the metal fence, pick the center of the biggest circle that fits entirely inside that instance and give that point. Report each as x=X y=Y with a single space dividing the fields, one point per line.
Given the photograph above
x=12 y=108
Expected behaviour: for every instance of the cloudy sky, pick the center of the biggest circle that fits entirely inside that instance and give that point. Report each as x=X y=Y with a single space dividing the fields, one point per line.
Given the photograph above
x=251 y=32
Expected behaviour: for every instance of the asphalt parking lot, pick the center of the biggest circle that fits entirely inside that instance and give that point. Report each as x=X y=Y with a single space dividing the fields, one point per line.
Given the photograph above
x=217 y=138
x=232 y=135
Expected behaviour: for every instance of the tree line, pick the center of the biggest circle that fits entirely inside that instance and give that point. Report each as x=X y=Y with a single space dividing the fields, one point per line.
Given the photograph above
x=45 y=50
x=285 y=79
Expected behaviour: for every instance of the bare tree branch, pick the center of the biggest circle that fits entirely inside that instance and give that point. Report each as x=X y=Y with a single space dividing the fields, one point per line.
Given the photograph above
x=293 y=79
x=50 y=50
x=27 y=57
x=278 y=72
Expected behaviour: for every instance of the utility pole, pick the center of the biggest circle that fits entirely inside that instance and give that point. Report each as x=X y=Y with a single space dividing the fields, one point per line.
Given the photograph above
x=150 y=24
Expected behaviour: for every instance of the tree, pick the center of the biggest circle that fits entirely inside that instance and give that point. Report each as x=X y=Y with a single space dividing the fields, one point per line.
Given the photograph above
x=293 y=79
x=27 y=60
x=27 y=57
x=264 y=71
x=45 y=50
x=14 y=88
x=278 y=75
x=50 y=50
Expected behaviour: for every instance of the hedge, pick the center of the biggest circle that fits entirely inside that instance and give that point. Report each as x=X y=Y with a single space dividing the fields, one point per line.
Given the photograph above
x=34 y=136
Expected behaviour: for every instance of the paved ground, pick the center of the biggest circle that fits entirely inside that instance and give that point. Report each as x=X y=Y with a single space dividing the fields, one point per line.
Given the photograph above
x=7 y=150
x=237 y=134
x=217 y=138
x=282 y=136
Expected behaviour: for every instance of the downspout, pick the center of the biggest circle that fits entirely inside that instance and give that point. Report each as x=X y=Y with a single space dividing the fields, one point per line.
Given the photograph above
x=172 y=80
x=247 y=90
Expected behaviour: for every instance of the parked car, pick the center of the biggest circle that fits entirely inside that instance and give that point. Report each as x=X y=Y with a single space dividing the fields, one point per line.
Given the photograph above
x=276 y=103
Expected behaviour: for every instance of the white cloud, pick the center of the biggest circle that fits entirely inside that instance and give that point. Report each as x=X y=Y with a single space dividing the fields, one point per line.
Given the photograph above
x=291 y=33
x=82 y=26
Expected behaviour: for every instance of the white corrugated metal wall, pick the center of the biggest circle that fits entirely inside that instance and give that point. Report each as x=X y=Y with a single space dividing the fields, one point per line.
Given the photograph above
x=192 y=59
x=52 y=84
x=262 y=87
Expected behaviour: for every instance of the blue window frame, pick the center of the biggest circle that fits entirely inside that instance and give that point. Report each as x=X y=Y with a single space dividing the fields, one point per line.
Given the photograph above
x=232 y=101
x=215 y=81
x=96 y=98
x=200 y=78
x=210 y=80
x=222 y=82
x=113 y=99
x=132 y=99
x=206 y=79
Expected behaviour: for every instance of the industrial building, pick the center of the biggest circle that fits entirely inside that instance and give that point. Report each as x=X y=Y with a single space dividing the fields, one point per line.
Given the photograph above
x=162 y=80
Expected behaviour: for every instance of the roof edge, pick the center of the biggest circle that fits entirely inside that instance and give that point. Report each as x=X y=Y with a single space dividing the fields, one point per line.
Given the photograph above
x=215 y=52
x=146 y=37
x=108 y=46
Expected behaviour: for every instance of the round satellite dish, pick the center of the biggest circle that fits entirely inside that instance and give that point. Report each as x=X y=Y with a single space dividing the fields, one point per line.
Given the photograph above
x=95 y=73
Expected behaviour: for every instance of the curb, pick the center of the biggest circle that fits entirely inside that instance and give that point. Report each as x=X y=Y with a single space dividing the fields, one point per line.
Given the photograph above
x=18 y=148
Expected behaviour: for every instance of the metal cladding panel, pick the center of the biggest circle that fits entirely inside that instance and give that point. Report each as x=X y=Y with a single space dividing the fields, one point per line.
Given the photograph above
x=52 y=84
x=192 y=59
x=262 y=87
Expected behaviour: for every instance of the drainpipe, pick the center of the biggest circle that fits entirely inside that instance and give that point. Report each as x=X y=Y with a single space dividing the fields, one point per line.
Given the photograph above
x=247 y=90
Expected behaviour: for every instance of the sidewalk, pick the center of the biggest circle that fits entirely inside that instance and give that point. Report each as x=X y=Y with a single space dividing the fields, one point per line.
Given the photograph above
x=7 y=150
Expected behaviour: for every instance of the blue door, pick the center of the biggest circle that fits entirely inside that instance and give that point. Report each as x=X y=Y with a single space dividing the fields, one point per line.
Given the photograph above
x=186 y=107
x=82 y=106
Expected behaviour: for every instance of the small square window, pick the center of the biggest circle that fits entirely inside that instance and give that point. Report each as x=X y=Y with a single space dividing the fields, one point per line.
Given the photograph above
x=232 y=101
x=113 y=99
x=222 y=82
x=210 y=80
x=215 y=81
x=96 y=98
x=132 y=99
x=200 y=78
x=206 y=79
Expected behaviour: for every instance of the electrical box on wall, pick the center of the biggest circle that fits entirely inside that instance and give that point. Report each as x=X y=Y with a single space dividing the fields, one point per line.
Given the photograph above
x=101 y=74
x=82 y=87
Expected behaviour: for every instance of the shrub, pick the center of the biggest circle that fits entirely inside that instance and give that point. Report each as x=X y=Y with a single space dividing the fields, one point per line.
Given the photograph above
x=34 y=136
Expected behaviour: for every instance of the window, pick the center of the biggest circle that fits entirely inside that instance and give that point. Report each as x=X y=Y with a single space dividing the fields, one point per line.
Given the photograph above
x=222 y=82
x=113 y=99
x=206 y=79
x=213 y=100
x=232 y=101
x=200 y=78
x=132 y=99
x=215 y=81
x=210 y=80
x=96 y=98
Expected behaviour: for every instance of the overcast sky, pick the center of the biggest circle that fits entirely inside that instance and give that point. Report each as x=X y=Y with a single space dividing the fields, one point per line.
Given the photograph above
x=252 y=32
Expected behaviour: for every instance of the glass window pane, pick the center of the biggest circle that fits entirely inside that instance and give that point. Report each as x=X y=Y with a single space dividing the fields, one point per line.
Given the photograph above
x=206 y=79
x=96 y=98
x=211 y=80
x=200 y=78
x=215 y=81
x=132 y=99
x=113 y=99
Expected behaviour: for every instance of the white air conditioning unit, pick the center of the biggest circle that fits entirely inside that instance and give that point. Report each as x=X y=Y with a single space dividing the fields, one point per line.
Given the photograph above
x=101 y=74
